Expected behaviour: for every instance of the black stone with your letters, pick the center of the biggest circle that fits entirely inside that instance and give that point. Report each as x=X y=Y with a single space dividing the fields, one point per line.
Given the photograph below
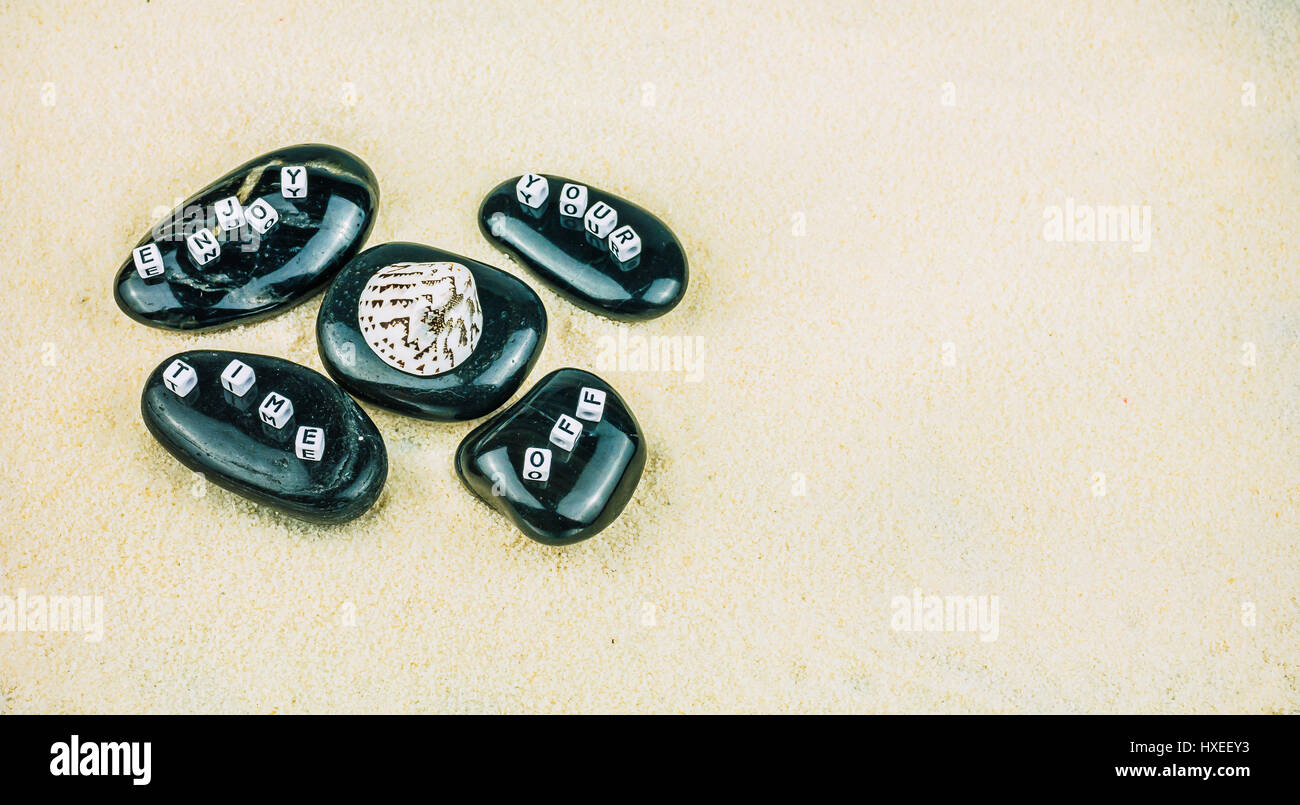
x=579 y=265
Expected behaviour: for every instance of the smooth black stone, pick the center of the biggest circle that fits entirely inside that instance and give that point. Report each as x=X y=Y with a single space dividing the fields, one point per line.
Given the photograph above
x=588 y=486
x=565 y=257
x=314 y=237
x=514 y=329
x=212 y=431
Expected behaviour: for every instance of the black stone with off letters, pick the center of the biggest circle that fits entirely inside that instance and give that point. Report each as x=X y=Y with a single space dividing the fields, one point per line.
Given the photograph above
x=586 y=488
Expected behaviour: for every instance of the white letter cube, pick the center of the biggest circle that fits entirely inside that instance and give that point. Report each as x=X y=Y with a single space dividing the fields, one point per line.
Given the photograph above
x=601 y=219
x=275 y=410
x=148 y=261
x=293 y=181
x=180 y=377
x=229 y=214
x=238 y=378
x=566 y=432
x=591 y=404
x=532 y=190
x=573 y=200
x=309 y=444
x=261 y=216
x=537 y=464
x=624 y=244
x=203 y=247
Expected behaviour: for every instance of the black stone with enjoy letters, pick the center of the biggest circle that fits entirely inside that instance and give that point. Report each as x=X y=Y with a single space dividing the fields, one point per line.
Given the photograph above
x=254 y=275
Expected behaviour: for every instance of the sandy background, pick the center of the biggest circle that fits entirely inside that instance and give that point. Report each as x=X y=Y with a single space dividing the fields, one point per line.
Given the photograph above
x=846 y=216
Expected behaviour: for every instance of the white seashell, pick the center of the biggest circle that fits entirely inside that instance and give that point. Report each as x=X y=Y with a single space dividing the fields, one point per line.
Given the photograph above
x=421 y=318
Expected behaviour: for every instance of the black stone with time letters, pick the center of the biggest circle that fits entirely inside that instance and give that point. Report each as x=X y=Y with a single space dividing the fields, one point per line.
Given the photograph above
x=562 y=462
x=275 y=432
x=580 y=264
x=316 y=204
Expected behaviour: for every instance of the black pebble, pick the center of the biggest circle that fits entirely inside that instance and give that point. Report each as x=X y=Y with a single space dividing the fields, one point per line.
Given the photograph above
x=578 y=266
x=255 y=276
x=514 y=330
x=212 y=431
x=588 y=486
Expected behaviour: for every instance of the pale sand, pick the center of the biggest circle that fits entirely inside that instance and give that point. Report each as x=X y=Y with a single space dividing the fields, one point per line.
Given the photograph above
x=719 y=588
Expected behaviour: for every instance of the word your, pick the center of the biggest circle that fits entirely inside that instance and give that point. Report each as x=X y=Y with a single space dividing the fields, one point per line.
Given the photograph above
x=75 y=759
x=946 y=613
x=657 y=353
x=1085 y=223
x=54 y=613
x=600 y=220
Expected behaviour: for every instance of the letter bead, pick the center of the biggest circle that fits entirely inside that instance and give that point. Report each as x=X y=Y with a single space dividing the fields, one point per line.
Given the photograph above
x=566 y=431
x=601 y=219
x=624 y=244
x=293 y=181
x=261 y=216
x=573 y=200
x=229 y=214
x=238 y=378
x=180 y=377
x=203 y=247
x=537 y=464
x=532 y=190
x=275 y=410
x=148 y=261
x=309 y=444
x=591 y=404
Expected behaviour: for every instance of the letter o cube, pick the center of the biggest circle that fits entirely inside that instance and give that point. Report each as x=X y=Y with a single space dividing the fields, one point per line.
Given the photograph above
x=537 y=464
x=261 y=216
x=573 y=200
